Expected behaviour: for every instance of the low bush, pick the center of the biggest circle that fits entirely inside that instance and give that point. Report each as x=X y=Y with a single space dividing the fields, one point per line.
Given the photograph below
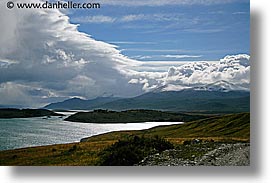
x=132 y=150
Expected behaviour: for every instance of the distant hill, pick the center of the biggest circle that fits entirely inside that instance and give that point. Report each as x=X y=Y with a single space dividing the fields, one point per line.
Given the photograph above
x=130 y=116
x=26 y=113
x=80 y=104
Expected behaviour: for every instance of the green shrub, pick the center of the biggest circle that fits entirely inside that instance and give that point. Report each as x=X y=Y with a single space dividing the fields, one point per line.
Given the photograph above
x=132 y=150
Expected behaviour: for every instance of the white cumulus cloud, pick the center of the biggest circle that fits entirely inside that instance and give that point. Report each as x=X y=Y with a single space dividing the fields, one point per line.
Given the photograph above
x=41 y=49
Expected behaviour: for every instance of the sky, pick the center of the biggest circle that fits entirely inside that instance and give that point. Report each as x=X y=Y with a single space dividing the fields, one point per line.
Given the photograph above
x=150 y=30
x=124 y=49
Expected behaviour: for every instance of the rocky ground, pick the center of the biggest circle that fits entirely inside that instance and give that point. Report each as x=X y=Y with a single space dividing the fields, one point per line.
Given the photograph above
x=202 y=154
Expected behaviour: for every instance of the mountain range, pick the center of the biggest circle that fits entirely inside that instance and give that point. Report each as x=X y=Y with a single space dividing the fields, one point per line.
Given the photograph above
x=80 y=104
x=217 y=97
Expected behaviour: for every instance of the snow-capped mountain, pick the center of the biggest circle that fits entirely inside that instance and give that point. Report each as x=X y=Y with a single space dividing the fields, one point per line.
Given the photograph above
x=222 y=86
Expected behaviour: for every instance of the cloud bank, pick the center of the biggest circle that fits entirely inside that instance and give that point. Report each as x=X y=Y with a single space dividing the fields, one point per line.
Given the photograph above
x=234 y=69
x=44 y=58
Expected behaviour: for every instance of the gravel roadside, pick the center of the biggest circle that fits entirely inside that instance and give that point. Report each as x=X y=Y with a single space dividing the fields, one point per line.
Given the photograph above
x=237 y=154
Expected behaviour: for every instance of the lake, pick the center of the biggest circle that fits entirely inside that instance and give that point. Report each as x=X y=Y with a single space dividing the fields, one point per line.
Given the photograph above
x=27 y=132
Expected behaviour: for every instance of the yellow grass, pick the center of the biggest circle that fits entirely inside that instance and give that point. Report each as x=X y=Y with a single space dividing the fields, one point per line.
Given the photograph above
x=58 y=155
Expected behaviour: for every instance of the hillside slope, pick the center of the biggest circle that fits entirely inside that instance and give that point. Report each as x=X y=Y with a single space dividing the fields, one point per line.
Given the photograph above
x=232 y=126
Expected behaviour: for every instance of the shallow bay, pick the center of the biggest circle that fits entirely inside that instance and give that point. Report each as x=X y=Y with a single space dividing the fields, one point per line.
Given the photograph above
x=28 y=132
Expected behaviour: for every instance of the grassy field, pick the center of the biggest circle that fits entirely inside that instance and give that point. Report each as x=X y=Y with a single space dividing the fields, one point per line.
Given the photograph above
x=227 y=128
x=56 y=155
